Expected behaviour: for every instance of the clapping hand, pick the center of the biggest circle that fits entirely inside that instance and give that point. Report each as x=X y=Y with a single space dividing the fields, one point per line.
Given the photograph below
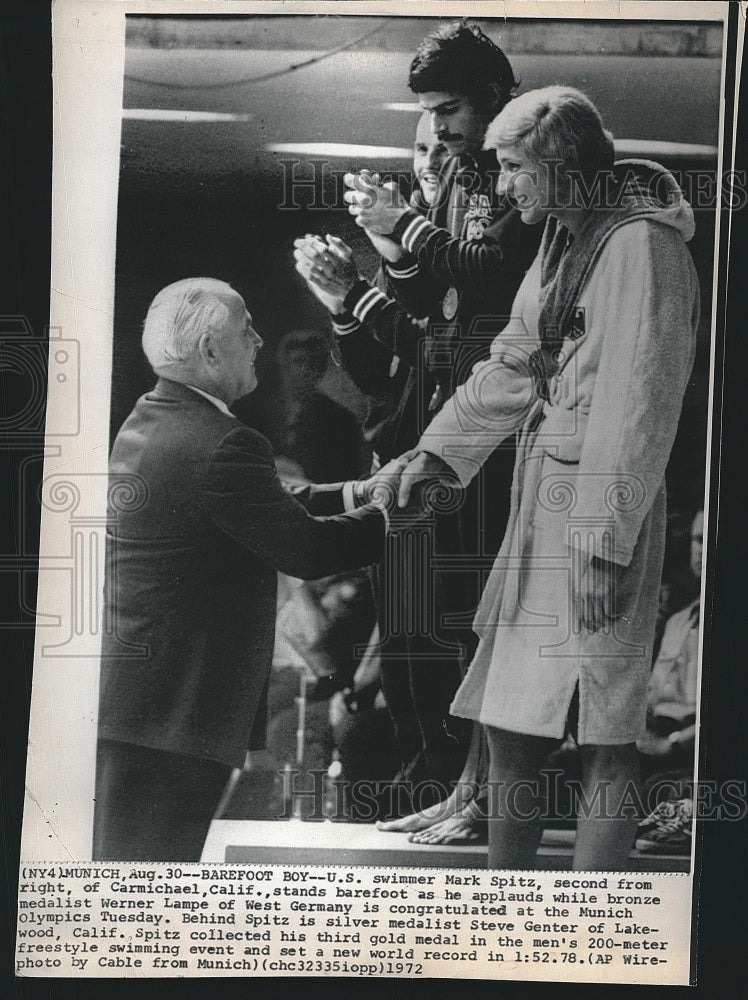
x=328 y=264
x=384 y=246
x=376 y=207
x=333 y=303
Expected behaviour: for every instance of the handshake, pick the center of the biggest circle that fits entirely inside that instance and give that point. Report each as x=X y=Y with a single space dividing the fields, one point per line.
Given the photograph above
x=415 y=483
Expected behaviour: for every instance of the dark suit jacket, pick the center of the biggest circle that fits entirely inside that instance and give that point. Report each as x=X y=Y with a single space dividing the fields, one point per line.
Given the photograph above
x=199 y=525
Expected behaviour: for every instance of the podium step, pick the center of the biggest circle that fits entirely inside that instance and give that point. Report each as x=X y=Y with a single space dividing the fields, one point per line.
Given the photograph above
x=293 y=842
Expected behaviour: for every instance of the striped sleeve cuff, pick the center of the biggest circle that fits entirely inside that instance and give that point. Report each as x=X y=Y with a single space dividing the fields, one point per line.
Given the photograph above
x=406 y=267
x=410 y=228
x=345 y=323
x=362 y=298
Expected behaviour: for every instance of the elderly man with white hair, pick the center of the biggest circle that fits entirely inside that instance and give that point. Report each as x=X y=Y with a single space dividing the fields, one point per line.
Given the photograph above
x=192 y=555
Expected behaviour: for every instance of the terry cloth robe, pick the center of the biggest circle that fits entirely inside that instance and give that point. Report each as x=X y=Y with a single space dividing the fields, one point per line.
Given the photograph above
x=614 y=362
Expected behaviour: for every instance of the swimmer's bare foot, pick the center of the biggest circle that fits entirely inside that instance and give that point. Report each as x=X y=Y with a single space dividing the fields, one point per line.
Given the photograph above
x=420 y=820
x=462 y=828
x=459 y=798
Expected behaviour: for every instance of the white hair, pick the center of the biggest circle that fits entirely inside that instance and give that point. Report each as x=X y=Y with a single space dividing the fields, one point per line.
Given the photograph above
x=179 y=315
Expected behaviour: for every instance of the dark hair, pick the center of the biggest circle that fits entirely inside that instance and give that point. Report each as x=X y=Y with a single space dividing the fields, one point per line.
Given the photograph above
x=459 y=58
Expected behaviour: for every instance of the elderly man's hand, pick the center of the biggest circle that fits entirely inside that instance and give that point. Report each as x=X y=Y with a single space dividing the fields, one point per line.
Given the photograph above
x=329 y=264
x=376 y=207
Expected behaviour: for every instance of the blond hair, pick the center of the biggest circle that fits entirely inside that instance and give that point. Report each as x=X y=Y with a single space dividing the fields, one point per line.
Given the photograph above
x=555 y=125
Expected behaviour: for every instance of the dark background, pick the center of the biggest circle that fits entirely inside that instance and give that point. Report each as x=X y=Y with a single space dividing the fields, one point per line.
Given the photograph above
x=25 y=169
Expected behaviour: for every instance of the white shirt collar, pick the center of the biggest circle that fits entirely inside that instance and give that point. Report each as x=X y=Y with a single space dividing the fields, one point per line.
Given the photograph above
x=219 y=403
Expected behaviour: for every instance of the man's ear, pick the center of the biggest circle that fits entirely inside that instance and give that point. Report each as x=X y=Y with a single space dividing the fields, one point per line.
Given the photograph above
x=206 y=347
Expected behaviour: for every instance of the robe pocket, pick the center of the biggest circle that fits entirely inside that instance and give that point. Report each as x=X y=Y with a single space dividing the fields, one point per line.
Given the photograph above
x=552 y=513
x=562 y=433
x=572 y=507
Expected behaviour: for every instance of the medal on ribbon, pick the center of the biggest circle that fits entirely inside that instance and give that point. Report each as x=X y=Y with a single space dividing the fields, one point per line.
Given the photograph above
x=450 y=303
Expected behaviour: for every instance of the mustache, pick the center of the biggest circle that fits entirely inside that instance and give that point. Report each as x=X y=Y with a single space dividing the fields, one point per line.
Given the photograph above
x=449 y=136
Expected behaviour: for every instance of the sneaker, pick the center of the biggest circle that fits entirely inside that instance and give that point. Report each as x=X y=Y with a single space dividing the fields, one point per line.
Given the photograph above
x=663 y=812
x=667 y=829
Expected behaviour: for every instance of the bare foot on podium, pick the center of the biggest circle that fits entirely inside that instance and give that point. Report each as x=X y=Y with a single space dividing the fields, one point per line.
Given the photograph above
x=465 y=792
x=459 y=829
x=421 y=820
